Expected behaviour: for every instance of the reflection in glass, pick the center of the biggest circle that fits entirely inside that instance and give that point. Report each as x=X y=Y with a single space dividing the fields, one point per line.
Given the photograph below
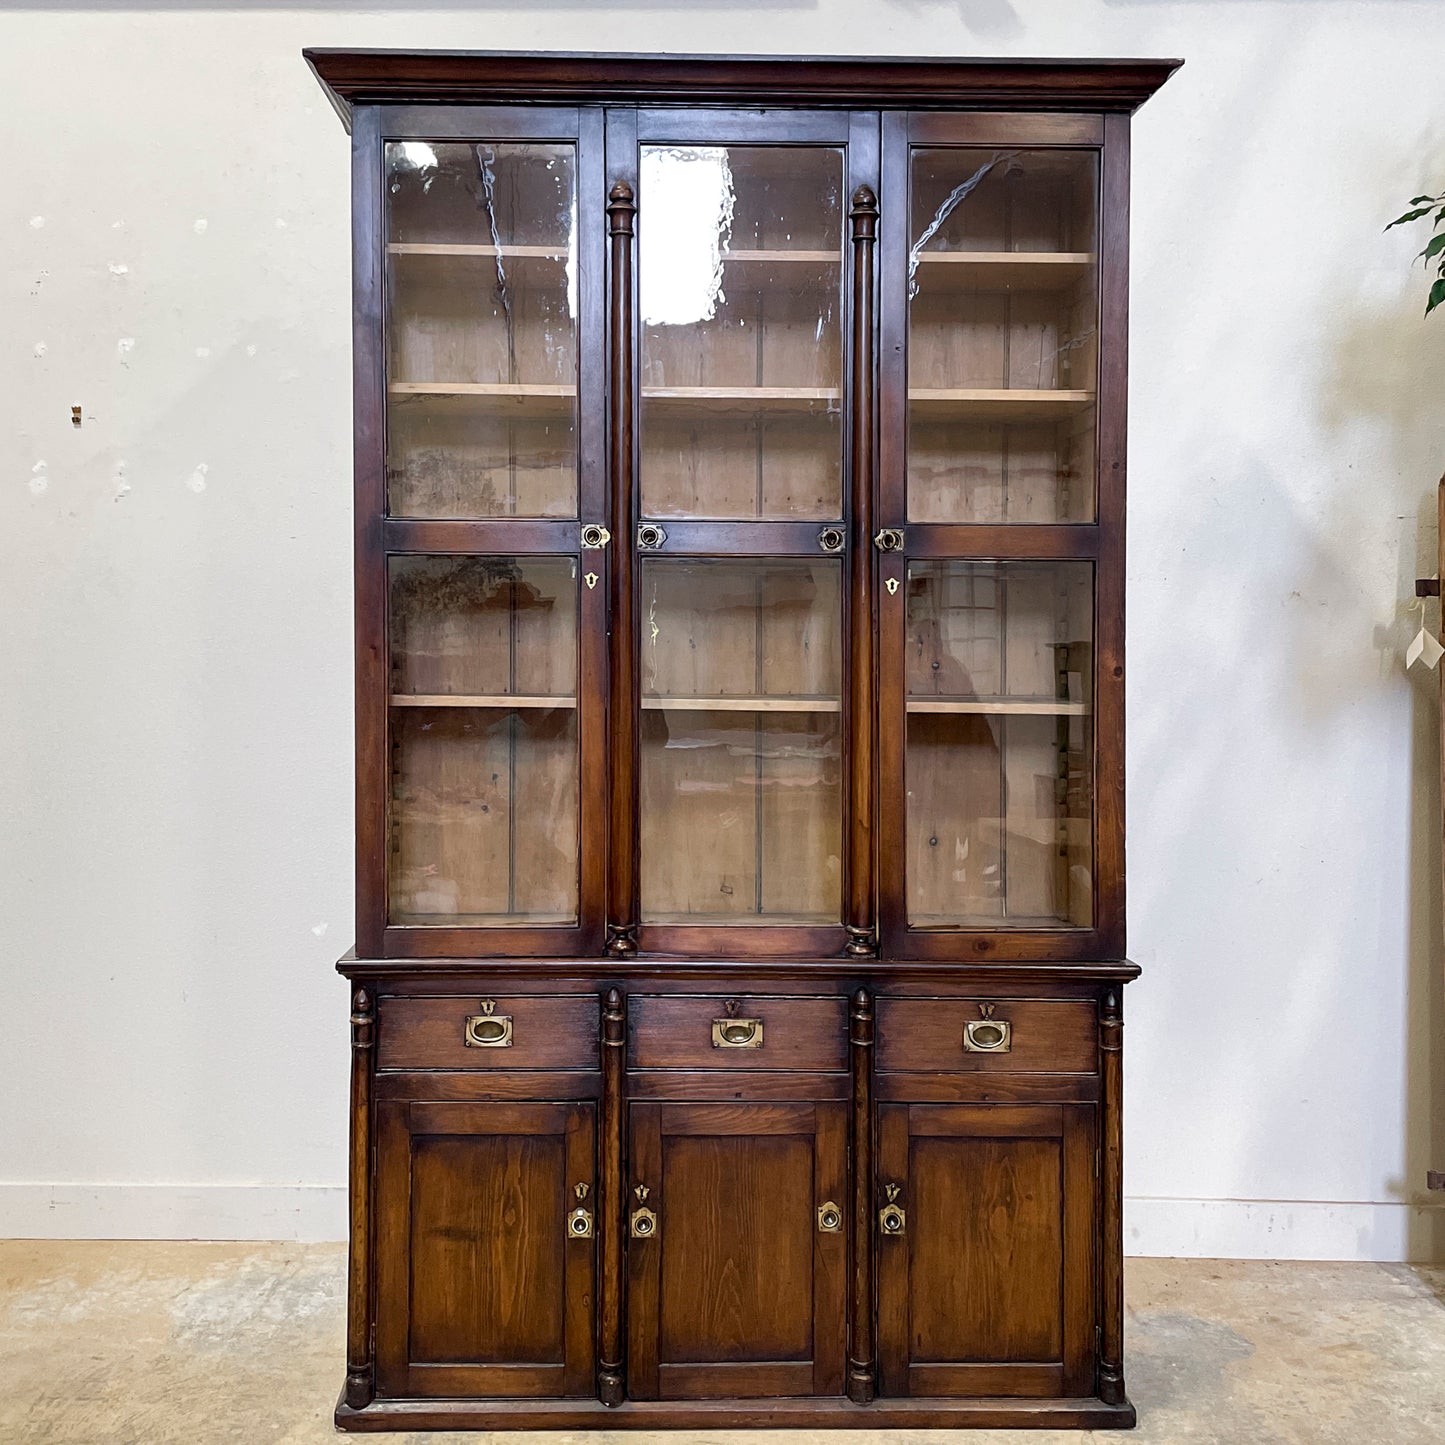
x=1002 y=335
x=484 y=740
x=740 y=279
x=482 y=329
x=741 y=741
x=999 y=673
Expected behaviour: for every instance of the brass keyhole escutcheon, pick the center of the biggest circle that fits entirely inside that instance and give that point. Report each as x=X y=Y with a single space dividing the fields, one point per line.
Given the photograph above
x=830 y=1218
x=579 y=1222
x=892 y=585
x=891 y=1218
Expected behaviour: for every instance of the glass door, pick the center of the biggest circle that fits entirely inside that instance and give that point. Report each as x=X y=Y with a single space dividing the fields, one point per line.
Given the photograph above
x=992 y=551
x=487 y=732
x=741 y=531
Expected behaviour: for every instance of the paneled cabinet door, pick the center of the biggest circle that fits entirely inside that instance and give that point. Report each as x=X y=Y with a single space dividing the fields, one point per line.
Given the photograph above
x=985 y=1249
x=737 y=1250
x=486 y=1249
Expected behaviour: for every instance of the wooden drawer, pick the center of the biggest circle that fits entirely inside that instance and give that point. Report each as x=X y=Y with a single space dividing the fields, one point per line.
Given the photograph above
x=740 y=1031
x=534 y=1032
x=1044 y=1036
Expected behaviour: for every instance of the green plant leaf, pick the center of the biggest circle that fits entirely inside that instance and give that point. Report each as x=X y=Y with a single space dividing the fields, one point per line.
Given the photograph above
x=1409 y=216
x=1437 y=295
x=1434 y=247
x=1426 y=200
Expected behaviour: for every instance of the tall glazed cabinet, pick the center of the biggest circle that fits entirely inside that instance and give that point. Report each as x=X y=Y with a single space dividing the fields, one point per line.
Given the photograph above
x=736 y=1001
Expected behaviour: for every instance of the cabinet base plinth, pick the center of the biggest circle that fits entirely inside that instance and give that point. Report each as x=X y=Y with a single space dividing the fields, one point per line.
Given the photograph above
x=792 y=1414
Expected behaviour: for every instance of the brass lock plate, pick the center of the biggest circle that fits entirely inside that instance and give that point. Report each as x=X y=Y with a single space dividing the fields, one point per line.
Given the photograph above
x=644 y=1223
x=830 y=1218
x=891 y=1219
x=579 y=1224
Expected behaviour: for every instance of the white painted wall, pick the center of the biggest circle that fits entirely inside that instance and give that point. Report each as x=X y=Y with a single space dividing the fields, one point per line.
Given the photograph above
x=174 y=712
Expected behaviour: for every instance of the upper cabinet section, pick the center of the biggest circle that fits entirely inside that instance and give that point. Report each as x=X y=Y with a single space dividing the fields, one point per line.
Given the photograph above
x=1002 y=334
x=481 y=283
x=741 y=265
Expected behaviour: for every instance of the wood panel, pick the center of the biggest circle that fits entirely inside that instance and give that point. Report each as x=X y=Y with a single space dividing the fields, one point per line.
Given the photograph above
x=741 y=1292
x=547 y=1033
x=480 y=1288
x=676 y=1032
x=984 y=1288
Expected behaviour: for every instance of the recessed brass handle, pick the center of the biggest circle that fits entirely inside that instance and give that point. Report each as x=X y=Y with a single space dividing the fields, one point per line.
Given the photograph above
x=650 y=535
x=987 y=1036
x=889 y=539
x=830 y=1218
x=737 y=1033
x=579 y=1222
x=643 y=1222
x=594 y=537
x=891 y=1218
x=488 y=1029
x=830 y=539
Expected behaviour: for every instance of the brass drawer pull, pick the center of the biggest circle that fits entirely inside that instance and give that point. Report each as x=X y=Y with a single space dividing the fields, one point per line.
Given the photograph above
x=579 y=1222
x=891 y=1218
x=488 y=1029
x=987 y=1036
x=830 y=1218
x=737 y=1033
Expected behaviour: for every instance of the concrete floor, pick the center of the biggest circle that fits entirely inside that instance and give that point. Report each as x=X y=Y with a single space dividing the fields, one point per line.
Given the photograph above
x=158 y=1344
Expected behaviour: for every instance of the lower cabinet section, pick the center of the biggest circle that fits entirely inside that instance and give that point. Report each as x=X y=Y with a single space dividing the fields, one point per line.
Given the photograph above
x=737 y=1256
x=713 y=1234
x=986 y=1249
x=486 y=1254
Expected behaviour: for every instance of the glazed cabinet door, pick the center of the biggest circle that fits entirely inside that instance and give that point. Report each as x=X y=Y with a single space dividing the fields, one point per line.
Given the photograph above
x=1000 y=549
x=485 y=1249
x=481 y=531
x=985 y=1229
x=740 y=543
x=737 y=1250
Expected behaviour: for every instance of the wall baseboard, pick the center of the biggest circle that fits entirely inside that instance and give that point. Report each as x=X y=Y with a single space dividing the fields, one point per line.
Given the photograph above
x=1168 y=1228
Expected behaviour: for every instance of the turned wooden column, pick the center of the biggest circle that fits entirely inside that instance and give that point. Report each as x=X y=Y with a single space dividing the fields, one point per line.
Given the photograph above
x=360 y=1369
x=862 y=1353
x=1111 y=1194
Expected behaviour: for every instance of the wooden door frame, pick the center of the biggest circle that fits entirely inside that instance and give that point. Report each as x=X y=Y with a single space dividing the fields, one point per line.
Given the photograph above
x=399 y=1124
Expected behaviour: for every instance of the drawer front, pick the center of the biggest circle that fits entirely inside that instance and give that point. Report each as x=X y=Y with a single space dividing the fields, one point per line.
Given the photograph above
x=1027 y=1036
x=736 y=1032
x=516 y=1032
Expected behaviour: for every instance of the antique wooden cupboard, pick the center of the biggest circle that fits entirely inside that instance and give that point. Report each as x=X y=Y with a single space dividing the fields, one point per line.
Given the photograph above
x=739 y=591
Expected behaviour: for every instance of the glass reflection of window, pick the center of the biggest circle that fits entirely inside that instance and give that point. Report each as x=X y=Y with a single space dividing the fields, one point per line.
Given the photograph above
x=689 y=199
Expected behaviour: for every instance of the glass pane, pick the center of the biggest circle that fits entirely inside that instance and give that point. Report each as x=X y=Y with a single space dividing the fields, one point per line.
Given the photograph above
x=741 y=272
x=484 y=740
x=1002 y=335
x=741 y=741
x=1000 y=744
x=482 y=330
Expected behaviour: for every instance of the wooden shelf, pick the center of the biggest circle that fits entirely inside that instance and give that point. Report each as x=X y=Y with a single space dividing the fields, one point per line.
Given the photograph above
x=482 y=920
x=507 y=253
x=996 y=270
x=1006 y=404
x=524 y=398
x=1000 y=706
x=742 y=704
x=992 y=922
x=492 y=700
x=744 y=398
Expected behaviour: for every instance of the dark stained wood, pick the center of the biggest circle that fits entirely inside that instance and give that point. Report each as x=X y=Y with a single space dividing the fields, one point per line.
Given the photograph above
x=612 y=1204
x=862 y=1355
x=1000 y=1304
x=622 y=905
x=742 y=1280
x=480 y=1289
x=360 y=77
x=987 y=1287
x=1046 y=1036
x=860 y=888
x=1109 y=584
x=773 y=1414
x=547 y=1033
x=676 y=1032
x=360 y=1381
x=373 y=771
x=1111 y=1200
